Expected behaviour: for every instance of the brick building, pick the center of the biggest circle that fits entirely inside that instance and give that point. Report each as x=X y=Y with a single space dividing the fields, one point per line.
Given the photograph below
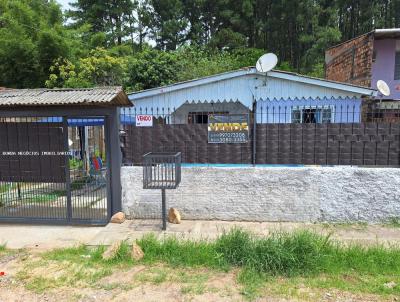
x=366 y=59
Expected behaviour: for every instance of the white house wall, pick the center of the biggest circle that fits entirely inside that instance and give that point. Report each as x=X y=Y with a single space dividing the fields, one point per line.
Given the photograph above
x=243 y=88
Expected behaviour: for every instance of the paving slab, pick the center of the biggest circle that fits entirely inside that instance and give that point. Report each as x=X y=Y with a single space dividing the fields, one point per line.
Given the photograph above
x=48 y=237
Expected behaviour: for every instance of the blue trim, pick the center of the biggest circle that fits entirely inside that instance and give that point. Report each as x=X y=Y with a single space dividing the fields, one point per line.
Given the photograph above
x=241 y=165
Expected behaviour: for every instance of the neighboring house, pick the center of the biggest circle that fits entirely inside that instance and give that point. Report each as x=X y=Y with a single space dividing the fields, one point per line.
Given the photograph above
x=366 y=59
x=279 y=97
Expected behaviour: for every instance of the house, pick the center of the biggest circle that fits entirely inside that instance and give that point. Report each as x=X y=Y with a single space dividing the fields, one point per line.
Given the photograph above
x=278 y=97
x=366 y=59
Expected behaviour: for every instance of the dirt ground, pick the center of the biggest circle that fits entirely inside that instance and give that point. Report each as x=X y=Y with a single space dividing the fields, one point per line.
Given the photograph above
x=29 y=278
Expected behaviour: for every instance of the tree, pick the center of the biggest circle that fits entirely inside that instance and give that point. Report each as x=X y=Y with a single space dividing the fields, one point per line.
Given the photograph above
x=111 y=17
x=98 y=69
x=31 y=37
x=168 y=23
x=19 y=62
x=151 y=68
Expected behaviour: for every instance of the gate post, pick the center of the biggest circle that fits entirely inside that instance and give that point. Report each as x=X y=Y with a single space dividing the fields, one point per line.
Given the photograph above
x=67 y=172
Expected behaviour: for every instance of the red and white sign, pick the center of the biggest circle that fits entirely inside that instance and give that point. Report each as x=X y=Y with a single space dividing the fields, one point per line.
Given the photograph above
x=144 y=120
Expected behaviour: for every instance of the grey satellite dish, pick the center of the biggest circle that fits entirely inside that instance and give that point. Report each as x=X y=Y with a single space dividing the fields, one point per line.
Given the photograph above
x=383 y=87
x=266 y=62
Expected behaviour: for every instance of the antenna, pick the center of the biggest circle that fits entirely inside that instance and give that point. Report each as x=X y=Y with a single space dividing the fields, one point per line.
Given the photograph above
x=383 y=87
x=266 y=62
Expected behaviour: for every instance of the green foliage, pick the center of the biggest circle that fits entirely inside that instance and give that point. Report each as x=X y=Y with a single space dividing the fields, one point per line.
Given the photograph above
x=108 y=42
x=152 y=68
x=393 y=222
x=99 y=68
x=102 y=69
x=31 y=37
x=281 y=254
x=284 y=261
x=177 y=252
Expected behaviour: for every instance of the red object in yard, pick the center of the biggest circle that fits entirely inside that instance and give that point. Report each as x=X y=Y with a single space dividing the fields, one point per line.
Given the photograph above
x=96 y=163
x=2 y=273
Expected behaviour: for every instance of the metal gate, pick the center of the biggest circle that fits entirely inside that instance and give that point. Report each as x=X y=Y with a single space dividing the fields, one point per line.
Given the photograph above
x=54 y=169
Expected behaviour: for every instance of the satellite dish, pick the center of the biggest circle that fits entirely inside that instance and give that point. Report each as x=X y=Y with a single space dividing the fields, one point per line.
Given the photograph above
x=266 y=62
x=383 y=87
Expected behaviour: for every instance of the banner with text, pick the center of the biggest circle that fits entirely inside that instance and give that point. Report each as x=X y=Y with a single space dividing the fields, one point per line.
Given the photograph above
x=227 y=129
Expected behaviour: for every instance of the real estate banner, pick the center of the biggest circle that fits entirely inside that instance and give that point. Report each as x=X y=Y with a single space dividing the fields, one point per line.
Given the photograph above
x=227 y=129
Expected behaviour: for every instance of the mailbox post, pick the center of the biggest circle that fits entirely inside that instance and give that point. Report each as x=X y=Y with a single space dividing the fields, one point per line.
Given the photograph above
x=162 y=170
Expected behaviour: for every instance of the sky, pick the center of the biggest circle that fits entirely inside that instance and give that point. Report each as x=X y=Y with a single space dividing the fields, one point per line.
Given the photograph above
x=64 y=3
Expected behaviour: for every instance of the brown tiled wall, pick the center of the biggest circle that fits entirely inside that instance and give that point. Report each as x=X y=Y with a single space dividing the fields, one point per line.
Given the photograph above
x=351 y=62
x=309 y=144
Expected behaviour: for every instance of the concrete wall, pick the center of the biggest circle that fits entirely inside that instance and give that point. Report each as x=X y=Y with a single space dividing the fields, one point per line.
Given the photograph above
x=334 y=194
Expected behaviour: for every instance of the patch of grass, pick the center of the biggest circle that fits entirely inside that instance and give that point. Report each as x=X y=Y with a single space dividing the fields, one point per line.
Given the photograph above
x=78 y=266
x=291 y=260
x=41 y=198
x=155 y=275
x=195 y=289
x=3 y=247
x=252 y=282
x=6 y=187
x=393 y=222
x=280 y=254
x=361 y=225
x=180 y=253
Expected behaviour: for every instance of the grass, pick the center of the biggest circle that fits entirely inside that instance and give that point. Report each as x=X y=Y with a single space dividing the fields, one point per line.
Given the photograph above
x=279 y=263
x=2 y=248
x=41 y=198
x=302 y=257
x=5 y=188
x=393 y=222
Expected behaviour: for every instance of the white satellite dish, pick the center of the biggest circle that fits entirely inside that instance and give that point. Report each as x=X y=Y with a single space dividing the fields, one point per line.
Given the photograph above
x=266 y=62
x=383 y=87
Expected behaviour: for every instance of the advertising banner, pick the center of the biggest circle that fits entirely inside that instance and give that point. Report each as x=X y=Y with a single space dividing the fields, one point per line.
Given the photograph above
x=228 y=128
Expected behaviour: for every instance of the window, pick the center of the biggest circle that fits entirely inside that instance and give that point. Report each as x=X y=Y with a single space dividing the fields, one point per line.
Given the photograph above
x=397 y=66
x=201 y=117
x=305 y=115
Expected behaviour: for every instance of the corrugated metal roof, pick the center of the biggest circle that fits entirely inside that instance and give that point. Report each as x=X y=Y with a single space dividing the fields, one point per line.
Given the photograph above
x=106 y=96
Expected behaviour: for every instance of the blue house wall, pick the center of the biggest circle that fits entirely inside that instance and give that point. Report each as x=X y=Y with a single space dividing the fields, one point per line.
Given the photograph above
x=278 y=95
x=342 y=110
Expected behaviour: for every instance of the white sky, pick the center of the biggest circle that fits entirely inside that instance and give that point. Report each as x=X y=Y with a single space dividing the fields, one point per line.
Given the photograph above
x=64 y=3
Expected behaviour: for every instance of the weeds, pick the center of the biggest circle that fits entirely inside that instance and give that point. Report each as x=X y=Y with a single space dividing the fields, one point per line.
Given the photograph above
x=296 y=258
x=393 y=222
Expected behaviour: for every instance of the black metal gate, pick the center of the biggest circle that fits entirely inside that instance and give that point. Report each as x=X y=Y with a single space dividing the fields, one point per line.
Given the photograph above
x=54 y=169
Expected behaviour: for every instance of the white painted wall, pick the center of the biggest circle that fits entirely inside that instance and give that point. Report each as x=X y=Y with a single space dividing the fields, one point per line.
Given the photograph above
x=334 y=194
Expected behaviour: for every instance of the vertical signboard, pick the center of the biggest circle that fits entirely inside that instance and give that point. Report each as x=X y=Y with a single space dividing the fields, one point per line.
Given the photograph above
x=228 y=129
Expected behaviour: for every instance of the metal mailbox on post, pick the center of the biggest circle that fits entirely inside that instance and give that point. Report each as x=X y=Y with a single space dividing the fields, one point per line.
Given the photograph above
x=162 y=170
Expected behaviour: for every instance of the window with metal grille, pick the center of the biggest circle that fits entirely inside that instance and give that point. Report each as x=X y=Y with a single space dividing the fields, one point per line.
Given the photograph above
x=397 y=66
x=305 y=115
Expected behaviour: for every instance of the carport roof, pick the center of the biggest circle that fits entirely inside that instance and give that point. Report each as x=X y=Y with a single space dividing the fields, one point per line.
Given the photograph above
x=99 y=96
